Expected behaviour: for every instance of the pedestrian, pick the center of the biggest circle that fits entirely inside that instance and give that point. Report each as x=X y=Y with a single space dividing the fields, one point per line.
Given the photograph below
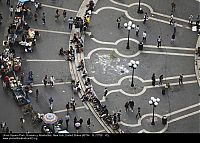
x=137 y=30
x=43 y=18
x=173 y=5
x=159 y=41
x=144 y=35
x=126 y=106
x=36 y=6
x=75 y=120
x=52 y=80
x=119 y=115
x=7 y=130
x=81 y=121
x=22 y=121
x=57 y=15
x=37 y=94
x=67 y=117
x=45 y=80
x=72 y=101
x=105 y=93
x=174 y=26
x=35 y=16
x=171 y=19
x=145 y=18
x=190 y=19
x=88 y=122
x=3 y=125
x=118 y=22
x=173 y=38
x=8 y=2
x=153 y=79
x=11 y=10
x=70 y=22
x=180 y=81
x=131 y=104
x=64 y=15
x=77 y=126
x=138 y=113
x=161 y=79
x=51 y=103
x=67 y=107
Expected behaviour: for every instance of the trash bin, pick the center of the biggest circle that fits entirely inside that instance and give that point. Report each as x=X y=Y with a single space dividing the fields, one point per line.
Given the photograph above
x=140 y=46
x=164 y=120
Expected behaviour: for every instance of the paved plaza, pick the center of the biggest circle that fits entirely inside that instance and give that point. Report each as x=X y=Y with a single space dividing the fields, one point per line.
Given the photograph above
x=106 y=59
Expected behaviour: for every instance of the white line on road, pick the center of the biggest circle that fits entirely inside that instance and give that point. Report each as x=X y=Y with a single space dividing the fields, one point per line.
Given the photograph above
x=51 y=31
x=167 y=53
x=37 y=60
x=100 y=131
x=65 y=110
x=167 y=47
x=55 y=7
x=58 y=83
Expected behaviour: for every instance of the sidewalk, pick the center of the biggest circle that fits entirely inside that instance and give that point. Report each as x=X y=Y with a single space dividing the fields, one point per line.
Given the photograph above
x=197 y=61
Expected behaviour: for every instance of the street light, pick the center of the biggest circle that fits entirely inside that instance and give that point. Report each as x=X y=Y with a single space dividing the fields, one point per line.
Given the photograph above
x=133 y=64
x=129 y=26
x=139 y=9
x=153 y=102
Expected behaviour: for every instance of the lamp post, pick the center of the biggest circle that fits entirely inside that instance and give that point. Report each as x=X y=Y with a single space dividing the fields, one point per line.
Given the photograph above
x=133 y=64
x=154 y=103
x=139 y=9
x=129 y=26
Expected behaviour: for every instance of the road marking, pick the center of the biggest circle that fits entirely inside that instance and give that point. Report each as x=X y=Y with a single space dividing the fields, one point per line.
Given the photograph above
x=151 y=10
x=55 y=7
x=100 y=131
x=65 y=110
x=184 y=116
x=51 y=31
x=167 y=47
x=37 y=60
x=58 y=83
x=167 y=53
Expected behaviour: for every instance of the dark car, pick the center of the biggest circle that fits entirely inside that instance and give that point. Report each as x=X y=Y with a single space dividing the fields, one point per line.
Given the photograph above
x=20 y=97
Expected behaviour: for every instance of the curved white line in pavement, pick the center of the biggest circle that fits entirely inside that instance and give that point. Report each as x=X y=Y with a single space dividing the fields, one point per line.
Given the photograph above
x=102 y=42
x=126 y=39
x=150 y=8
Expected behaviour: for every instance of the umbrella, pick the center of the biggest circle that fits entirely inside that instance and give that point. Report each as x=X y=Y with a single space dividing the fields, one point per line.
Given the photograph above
x=50 y=118
x=23 y=1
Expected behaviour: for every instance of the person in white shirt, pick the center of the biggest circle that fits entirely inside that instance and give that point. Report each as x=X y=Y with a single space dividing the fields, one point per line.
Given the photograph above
x=52 y=80
x=11 y=10
x=144 y=35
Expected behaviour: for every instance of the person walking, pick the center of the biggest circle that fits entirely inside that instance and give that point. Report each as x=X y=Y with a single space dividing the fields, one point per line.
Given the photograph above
x=145 y=18
x=3 y=125
x=118 y=22
x=45 y=80
x=153 y=78
x=43 y=18
x=137 y=30
x=126 y=106
x=36 y=94
x=8 y=2
x=174 y=26
x=22 y=121
x=67 y=107
x=11 y=10
x=159 y=41
x=171 y=19
x=190 y=19
x=173 y=38
x=7 y=130
x=144 y=35
x=64 y=15
x=105 y=93
x=51 y=103
x=81 y=121
x=114 y=118
x=119 y=113
x=75 y=120
x=52 y=80
x=161 y=79
x=35 y=16
x=57 y=15
x=88 y=122
x=70 y=22
x=180 y=81
x=173 y=5
x=131 y=104
x=138 y=113
x=67 y=117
